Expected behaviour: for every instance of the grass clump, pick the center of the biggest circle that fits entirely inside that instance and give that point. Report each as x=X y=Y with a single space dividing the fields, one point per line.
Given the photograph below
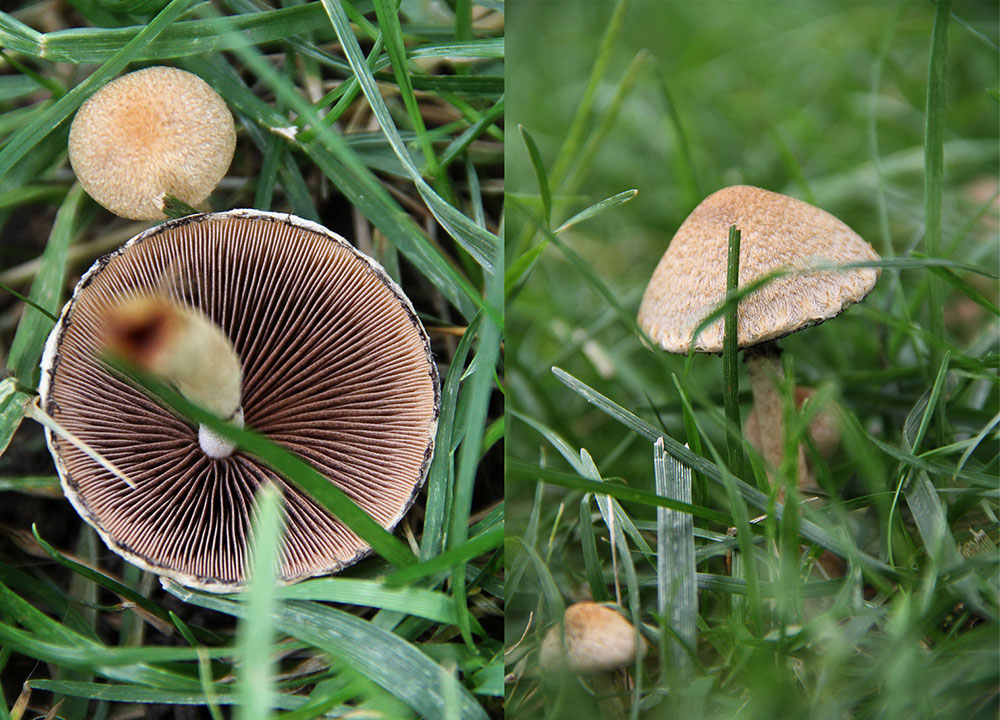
x=880 y=597
x=382 y=123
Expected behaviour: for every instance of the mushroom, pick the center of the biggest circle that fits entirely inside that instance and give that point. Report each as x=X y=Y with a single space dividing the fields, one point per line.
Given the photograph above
x=778 y=233
x=151 y=134
x=824 y=429
x=591 y=638
x=334 y=364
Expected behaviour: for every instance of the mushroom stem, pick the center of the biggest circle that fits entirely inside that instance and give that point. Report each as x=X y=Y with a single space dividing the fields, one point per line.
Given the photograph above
x=185 y=348
x=764 y=366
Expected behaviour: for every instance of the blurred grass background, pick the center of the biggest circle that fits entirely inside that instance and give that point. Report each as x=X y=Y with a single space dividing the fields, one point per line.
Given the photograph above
x=827 y=102
x=383 y=121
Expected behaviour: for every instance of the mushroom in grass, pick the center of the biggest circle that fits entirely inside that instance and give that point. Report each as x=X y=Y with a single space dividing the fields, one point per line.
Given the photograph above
x=149 y=135
x=251 y=314
x=824 y=430
x=591 y=638
x=779 y=233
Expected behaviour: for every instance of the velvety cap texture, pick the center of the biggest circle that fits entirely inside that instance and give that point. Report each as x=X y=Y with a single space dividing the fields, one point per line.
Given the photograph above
x=777 y=232
x=151 y=133
x=596 y=638
x=336 y=368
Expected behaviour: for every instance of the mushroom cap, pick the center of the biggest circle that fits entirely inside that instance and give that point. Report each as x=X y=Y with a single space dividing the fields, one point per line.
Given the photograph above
x=776 y=232
x=148 y=134
x=336 y=368
x=597 y=638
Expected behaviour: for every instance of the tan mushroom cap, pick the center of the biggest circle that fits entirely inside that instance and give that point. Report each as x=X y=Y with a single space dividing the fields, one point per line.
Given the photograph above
x=151 y=133
x=336 y=369
x=777 y=232
x=597 y=638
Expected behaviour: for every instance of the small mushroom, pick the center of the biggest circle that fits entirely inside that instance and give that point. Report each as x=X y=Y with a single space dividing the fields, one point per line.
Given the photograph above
x=331 y=361
x=597 y=639
x=151 y=134
x=778 y=233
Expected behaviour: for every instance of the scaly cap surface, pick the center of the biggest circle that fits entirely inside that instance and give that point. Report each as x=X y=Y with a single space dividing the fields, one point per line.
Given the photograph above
x=777 y=232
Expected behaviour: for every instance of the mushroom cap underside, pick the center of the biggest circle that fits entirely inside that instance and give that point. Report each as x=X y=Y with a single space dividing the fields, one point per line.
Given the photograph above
x=778 y=233
x=337 y=368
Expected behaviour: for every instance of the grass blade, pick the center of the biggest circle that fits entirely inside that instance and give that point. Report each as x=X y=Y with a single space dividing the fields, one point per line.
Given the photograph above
x=12 y=402
x=540 y=175
x=598 y=208
x=411 y=600
x=441 y=475
x=255 y=678
x=46 y=291
x=573 y=139
x=290 y=467
x=381 y=656
x=934 y=123
x=479 y=243
x=455 y=557
x=730 y=364
x=676 y=581
x=150 y=696
x=809 y=530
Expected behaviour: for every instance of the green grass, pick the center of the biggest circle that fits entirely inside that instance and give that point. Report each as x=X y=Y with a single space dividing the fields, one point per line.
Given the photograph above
x=884 y=114
x=383 y=123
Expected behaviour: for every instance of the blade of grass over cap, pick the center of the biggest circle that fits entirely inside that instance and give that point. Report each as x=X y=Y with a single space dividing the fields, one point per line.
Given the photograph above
x=730 y=364
x=32 y=409
x=289 y=466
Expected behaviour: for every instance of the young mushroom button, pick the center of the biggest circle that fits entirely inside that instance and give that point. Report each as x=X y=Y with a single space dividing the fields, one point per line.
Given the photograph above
x=591 y=638
x=778 y=233
x=151 y=134
x=248 y=314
